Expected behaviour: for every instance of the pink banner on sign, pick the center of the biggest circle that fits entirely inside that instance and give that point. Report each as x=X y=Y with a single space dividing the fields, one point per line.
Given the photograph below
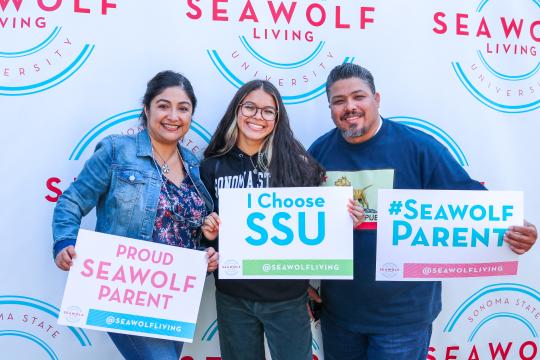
x=426 y=271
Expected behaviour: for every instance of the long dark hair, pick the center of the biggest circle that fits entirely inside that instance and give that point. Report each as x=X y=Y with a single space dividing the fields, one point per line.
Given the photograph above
x=285 y=158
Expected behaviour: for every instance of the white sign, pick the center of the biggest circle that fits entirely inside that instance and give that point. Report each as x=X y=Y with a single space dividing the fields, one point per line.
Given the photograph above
x=285 y=233
x=134 y=287
x=435 y=234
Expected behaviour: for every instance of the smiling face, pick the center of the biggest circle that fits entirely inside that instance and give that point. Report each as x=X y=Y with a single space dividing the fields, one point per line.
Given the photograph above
x=169 y=116
x=253 y=130
x=354 y=109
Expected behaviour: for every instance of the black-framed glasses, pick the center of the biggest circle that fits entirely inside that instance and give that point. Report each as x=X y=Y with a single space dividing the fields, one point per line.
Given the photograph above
x=249 y=109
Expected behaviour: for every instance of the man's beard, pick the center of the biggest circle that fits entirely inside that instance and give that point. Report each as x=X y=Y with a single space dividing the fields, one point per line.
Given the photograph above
x=353 y=131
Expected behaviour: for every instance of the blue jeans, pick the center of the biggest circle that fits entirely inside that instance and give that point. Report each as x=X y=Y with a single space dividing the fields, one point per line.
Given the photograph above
x=340 y=344
x=242 y=324
x=134 y=347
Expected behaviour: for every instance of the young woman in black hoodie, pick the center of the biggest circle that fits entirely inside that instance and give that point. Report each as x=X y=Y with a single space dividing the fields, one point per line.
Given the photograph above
x=254 y=146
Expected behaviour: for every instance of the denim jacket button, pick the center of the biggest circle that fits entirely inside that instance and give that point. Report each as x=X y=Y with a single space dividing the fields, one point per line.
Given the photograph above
x=132 y=178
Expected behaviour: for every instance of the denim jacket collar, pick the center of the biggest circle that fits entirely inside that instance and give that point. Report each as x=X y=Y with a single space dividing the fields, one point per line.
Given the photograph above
x=144 y=145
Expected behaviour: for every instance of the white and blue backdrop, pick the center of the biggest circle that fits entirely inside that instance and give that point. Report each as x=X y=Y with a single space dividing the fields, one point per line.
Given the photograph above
x=74 y=71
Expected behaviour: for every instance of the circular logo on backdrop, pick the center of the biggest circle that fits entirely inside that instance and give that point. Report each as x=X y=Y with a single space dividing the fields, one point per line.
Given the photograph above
x=498 y=321
x=38 y=53
x=28 y=329
x=128 y=123
x=125 y=123
x=501 y=67
x=284 y=42
x=437 y=132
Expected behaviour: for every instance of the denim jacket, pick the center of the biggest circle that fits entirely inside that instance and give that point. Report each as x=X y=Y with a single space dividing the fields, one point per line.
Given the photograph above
x=123 y=182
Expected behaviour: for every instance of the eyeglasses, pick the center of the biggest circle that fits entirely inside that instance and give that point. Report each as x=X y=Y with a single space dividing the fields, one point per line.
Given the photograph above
x=249 y=109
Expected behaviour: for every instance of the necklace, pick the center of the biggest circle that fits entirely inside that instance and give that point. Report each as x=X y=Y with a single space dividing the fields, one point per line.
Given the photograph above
x=255 y=169
x=165 y=168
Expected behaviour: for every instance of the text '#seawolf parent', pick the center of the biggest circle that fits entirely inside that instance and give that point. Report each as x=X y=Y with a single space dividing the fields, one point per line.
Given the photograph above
x=444 y=236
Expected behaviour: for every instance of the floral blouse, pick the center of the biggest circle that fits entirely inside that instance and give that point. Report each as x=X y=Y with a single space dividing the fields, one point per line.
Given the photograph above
x=180 y=214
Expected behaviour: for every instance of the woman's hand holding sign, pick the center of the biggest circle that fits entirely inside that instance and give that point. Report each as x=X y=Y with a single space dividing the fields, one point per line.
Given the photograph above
x=64 y=259
x=210 y=226
x=210 y=231
x=213 y=259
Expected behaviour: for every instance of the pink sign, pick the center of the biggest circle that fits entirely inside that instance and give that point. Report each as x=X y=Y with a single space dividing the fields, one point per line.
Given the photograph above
x=135 y=287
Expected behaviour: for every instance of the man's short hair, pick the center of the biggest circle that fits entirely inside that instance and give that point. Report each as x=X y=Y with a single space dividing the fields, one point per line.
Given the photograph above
x=347 y=71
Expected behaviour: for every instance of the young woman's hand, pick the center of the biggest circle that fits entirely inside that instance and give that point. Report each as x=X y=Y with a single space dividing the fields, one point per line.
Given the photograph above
x=213 y=259
x=210 y=227
x=64 y=259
